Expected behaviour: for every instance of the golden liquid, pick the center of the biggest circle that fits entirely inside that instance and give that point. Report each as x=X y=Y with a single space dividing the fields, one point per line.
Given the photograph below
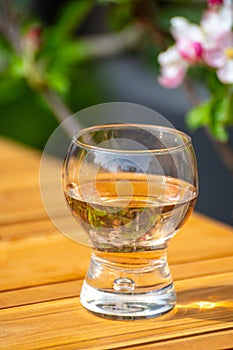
x=131 y=212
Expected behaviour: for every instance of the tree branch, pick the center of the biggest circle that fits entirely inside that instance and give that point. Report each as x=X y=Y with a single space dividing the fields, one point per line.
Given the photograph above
x=10 y=30
x=61 y=111
x=102 y=46
x=9 y=26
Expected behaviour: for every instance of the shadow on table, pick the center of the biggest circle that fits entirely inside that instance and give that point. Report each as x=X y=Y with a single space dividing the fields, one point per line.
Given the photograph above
x=213 y=303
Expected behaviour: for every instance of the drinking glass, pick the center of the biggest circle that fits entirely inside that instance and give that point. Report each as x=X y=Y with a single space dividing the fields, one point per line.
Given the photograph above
x=130 y=187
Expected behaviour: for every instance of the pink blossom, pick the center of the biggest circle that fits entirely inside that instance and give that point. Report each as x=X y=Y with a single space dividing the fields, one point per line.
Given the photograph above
x=189 y=39
x=215 y=2
x=181 y=27
x=190 y=50
x=173 y=68
x=221 y=57
x=225 y=74
x=211 y=42
x=215 y=22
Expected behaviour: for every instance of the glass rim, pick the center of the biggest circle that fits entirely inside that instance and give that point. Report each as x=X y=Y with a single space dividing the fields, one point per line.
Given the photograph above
x=186 y=138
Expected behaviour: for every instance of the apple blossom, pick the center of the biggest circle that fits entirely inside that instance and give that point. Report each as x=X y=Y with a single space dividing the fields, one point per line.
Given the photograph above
x=190 y=50
x=181 y=27
x=221 y=57
x=210 y=44
x=215 y=22
x=189 y=39
x=173 y=68
x=215 y=2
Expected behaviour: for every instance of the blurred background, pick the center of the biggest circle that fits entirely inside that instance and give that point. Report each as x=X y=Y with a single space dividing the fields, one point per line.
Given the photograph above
x=58 y=57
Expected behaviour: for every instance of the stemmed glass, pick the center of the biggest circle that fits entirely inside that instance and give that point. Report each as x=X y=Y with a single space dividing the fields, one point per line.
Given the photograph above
x=130 y=187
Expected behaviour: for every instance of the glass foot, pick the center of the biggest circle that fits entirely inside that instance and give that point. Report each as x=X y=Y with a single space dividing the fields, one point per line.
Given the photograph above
x=128 y=285
x=128 y=306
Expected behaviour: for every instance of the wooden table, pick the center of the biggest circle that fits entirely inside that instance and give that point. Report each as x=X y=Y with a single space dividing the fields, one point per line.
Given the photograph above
x=42 y=271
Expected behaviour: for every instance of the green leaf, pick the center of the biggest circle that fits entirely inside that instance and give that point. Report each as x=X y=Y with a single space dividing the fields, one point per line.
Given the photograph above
x=220 y=108
x=16 y=68
x=121 y=16
x=72 y=52
x=58 y=82
x=220 y=132
x=100 y=212
x=230 y=111
x=91 y=218
x=199 y=116
x=73 y=14
x=212 y=81
x=221 y=112
x=11 y=90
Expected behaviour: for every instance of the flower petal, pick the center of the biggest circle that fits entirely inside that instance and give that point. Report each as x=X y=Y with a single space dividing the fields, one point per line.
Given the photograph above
x=171 y=56
x=182 y=28
x=190 y=50
x=225 y=74
x=172 y=76
x=225 y=40
x=214 y=58
x=216 y=21
x=215 y=2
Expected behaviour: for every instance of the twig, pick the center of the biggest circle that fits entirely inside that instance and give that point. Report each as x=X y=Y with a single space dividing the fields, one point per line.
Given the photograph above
x=10 y=30
x=9 y=26
x=191 y=93
x=98 y=46
x=145 y=13
x=61 y=111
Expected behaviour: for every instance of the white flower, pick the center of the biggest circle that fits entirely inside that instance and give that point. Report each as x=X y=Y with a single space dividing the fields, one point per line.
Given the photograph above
x=221 y=57
x=182 y=28
x=173 y=68
x=189 y=39
x=215 y=22
x=211 y=42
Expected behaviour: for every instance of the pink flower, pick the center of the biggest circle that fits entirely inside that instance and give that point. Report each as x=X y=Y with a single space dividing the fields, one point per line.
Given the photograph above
x=221 y=57
x=173 y=68
x=215 y=22
x=189 y=39
x=181 y=27
x=211 y=42
x=215 y=2
x=190 y=50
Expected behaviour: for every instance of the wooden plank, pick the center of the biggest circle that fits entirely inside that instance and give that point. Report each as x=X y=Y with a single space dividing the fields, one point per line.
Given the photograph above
x=71 y=326
x=192 y=269
x=13 y=149
x=41 y=261
x=38 y=294
x=27 y=229
x=21 y=205
x=54 y=257
x=56 y=290
x=202 y=238
x=19 y=186
x=214 y=341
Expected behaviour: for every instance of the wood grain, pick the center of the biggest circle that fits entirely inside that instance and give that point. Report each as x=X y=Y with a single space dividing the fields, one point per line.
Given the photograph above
x=41 y=274
x=190 y=318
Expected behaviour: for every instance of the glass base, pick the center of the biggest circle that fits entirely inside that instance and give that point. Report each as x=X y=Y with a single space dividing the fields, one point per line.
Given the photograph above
x=128 y=306
x=128 y=286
